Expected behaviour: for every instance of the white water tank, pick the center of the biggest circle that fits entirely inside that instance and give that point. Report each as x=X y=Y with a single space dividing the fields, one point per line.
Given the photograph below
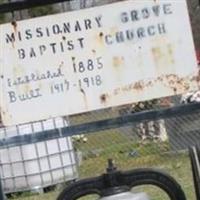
x=37 y=165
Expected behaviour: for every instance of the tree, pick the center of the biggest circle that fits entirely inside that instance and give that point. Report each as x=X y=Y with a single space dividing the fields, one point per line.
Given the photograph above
x=2 y=17
x=194 y=11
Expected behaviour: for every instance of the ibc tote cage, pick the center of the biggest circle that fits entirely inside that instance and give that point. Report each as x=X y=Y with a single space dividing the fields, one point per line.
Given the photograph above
x=124 y=120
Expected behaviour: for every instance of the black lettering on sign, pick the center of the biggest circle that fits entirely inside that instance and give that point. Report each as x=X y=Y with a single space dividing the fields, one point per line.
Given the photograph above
x=156 y=10
x=162 y=28
x=151 y=30
x=34 y=77
x=124 y=17
x=130 y=34
x=12 y=96
x=88 y=24
x=77 y=26
x=70 y=45
x=52 y=45
x=81 y=42
x=119 y=37
x=141 y=32
x=136 y=34
x=52 y=48
x=108 y=39
x=28 y=34
x=98 y=20
x=67 y=27
x=61 y=28
x=134 y=15
x=31 y=94
x=39 y=32
x=80 y=66
x=32 y=53
x=10 y=38
x=47 y=32
x=62 y=47
x=56 y=29
x=21 y=53
x=87 y=82
x=57 y=88
x=19 y=36
x=167 y=9
x=146 y=13
x=9 y=82
x=42 y=49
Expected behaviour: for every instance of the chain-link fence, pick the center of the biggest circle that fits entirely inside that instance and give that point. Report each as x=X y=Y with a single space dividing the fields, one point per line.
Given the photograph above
x=160 y=143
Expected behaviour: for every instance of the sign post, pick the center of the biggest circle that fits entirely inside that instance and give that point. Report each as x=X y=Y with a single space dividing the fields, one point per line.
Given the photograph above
x=95 y=58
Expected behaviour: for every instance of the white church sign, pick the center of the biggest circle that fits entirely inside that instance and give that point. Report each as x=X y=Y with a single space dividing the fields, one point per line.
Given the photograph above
x=95 y=58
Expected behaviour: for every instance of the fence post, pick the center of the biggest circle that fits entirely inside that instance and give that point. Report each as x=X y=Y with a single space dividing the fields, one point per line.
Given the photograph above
x=2 y=196
x=194 y=153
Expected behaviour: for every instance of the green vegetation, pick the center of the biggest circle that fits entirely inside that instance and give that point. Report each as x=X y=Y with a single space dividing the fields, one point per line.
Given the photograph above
x=128 y=153
x=32 y=12
x=177 y=165
x=1 y=15
x=41 y=11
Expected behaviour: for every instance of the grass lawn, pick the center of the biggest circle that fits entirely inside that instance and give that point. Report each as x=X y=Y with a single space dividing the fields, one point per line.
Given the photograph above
x=127 y=154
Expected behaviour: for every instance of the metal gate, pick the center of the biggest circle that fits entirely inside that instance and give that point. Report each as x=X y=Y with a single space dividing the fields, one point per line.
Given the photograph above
x=154 y=133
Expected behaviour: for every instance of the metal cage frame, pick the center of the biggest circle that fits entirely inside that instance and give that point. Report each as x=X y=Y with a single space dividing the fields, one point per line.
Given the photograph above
x=87 y=127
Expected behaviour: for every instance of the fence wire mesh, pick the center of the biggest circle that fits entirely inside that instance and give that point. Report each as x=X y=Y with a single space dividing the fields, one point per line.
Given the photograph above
x=161 y=144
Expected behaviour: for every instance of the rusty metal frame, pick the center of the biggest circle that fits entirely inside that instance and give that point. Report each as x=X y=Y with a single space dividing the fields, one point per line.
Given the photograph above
x=25 y=4
x=1 y=191
x=87 y=127
x=194 y=153
x=100 y=125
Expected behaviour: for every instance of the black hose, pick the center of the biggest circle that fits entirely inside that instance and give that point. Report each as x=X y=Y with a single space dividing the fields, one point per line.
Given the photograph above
x=100 y=185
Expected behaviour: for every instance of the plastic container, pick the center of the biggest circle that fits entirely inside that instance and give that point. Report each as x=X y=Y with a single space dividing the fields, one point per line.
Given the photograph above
x=38 y=165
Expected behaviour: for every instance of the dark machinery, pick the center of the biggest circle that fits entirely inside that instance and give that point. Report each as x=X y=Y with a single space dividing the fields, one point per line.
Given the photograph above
x=116 y=185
